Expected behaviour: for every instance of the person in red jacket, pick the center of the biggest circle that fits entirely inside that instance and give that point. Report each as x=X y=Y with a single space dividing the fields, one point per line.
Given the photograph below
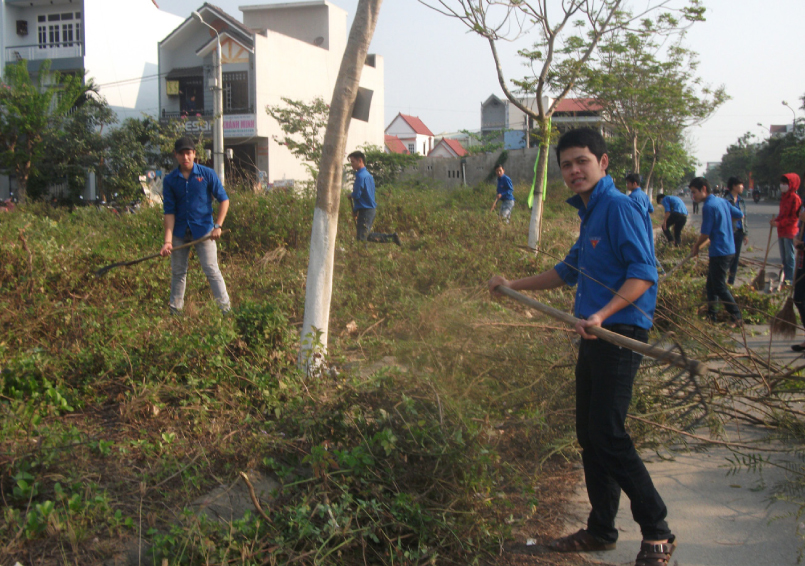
x=786 y=222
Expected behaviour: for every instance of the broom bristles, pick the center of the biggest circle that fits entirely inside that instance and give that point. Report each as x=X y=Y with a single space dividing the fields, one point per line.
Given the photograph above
x=784 y=323
x=759 y=282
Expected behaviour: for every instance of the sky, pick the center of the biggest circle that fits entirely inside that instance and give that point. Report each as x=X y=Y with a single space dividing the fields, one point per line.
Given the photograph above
x=436 y=70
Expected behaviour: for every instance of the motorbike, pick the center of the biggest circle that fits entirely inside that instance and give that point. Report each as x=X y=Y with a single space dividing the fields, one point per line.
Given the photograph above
x=756 y=195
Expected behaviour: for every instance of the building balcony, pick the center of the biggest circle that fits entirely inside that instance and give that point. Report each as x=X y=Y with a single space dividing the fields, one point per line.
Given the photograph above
x=205 y=113
x=41 y=52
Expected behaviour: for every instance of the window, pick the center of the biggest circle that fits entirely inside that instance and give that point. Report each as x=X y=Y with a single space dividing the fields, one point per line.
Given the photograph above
x=236 y=91
x=53 y=35
x=67 y=34
x=191 y=96
x=78 y=32
x=411 y=148
x=43 y=36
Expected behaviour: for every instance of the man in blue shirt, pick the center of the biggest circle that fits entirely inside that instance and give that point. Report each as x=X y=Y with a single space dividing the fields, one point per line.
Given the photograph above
x=613 y=252
x=717 y=216
x=740 y=229
x=505 y=194
x=187 y=194
x=676 y=216
x=637 y=194
x=364 y=206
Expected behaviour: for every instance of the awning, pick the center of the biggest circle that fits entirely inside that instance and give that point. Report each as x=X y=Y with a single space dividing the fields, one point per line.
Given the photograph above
x=183 y=72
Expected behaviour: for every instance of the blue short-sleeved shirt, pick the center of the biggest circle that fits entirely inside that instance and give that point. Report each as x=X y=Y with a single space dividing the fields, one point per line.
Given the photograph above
x=717 y=215
x=613 y=246
x=674 y=204
x=642 y=200
x=363 y=190
x=190 y=200
x=505 y=188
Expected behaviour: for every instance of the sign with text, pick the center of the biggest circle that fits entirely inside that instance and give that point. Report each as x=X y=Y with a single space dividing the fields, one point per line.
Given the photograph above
x=235 y=125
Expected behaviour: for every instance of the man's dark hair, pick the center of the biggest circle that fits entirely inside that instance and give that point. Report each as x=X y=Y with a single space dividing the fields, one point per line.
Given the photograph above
x=660 y=196
x=699 y=183
x=357 y=155
x=634 y=178
x=499 y=166
x=582 y=137
x=733 y=181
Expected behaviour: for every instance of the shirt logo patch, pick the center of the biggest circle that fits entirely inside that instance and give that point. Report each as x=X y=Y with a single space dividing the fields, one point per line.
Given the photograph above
x=199 y=179
x=594 y=241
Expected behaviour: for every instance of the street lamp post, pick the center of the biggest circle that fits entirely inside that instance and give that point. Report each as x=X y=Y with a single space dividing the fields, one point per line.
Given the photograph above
x=218 y=105
x=795 y=115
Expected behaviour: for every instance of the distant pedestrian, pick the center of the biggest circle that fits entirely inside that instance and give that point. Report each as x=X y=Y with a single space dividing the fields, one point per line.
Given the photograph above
x=717 y=215
x=740 y=229
x=786 y=222
x=676 y=216
x=364 y=205
x=187 y=194
x=695 y=207
x=505 y=194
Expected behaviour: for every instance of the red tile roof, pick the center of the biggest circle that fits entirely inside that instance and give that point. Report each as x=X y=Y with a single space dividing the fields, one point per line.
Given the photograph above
x=394 y=144
x=416 y=124
x=578 y=105
x=456 y=146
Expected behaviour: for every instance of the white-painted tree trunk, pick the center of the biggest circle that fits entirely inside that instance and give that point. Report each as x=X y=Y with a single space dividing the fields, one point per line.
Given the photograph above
x=319 y=285
x=535 y=226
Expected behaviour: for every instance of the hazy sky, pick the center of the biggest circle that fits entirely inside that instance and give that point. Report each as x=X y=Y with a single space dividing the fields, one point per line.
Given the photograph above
x=439 y=72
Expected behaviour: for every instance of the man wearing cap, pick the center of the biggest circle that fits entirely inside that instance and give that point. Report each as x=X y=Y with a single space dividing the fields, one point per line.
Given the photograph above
x=187 y=194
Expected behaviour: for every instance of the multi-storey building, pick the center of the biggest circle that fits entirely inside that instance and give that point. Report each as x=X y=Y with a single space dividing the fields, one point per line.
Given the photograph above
x=288 y=50
x=113 y=43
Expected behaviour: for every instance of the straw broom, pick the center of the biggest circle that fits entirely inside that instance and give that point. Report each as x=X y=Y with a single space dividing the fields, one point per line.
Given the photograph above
x=784 y=323
x=759 y=282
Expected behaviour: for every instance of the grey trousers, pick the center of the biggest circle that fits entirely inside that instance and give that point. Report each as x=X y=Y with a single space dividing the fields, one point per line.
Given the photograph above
x=207 y=253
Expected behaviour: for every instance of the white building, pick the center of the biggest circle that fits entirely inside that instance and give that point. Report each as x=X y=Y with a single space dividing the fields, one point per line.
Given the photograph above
x=447 y=147
x=288 y=50
x=500 y=115
x=110 y=41
x=412 y=132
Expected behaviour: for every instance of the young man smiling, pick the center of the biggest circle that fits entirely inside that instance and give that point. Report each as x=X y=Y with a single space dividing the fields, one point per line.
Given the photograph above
x=187 y=194
x=613 y=253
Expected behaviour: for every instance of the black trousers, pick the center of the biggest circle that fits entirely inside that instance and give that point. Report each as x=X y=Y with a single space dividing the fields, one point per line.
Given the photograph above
x=605 y=374
x=799 y=286
x=366 y=217
x=739 y=242
x=676 y=221
x=717 y=287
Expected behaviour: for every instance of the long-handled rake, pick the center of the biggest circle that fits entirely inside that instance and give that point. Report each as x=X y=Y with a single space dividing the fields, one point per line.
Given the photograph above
x=759 y=282
x=669 y=357
x=784 y=322
x=102 y=271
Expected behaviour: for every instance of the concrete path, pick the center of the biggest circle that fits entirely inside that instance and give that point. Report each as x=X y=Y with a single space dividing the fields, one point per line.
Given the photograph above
x=720 y=519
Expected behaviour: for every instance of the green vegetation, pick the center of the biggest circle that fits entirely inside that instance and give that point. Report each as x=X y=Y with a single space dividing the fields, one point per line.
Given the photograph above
x=435 y=433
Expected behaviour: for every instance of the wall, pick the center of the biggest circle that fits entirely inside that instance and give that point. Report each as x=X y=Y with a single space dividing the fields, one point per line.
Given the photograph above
x=121 y=41
x=519 y=167
x=304 y=24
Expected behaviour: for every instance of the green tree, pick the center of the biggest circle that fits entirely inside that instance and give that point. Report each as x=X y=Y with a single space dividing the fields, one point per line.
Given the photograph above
x=28 y=110
x=135 y=146
x=740 y=159
x=490 y=142
x=386 y=167
x=649 y=95
x=567 y=35
x=303 y=125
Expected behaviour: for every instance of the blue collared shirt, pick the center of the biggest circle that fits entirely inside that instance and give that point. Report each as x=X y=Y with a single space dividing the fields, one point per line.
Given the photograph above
x=738 y=224
x=363 y=190
x=613 y=246
x=642 y=200
x=505 y=188
x=674 y=204
x=717 y=215
x=190 y=200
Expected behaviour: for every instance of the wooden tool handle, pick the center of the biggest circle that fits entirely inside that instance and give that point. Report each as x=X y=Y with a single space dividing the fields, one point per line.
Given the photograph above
x=672 y=358
x=183 y=246
x=768 y=246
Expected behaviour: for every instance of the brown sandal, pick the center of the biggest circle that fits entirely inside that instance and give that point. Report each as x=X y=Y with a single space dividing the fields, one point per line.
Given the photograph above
x=581 y=541
x=655 y=554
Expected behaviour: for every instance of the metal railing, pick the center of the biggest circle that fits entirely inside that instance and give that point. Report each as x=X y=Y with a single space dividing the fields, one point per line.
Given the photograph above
x=46 y=51
x=204 y=113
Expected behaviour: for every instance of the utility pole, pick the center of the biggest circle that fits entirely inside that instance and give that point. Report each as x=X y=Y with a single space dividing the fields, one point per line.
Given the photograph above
x=794 y=112
x=218 y=105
